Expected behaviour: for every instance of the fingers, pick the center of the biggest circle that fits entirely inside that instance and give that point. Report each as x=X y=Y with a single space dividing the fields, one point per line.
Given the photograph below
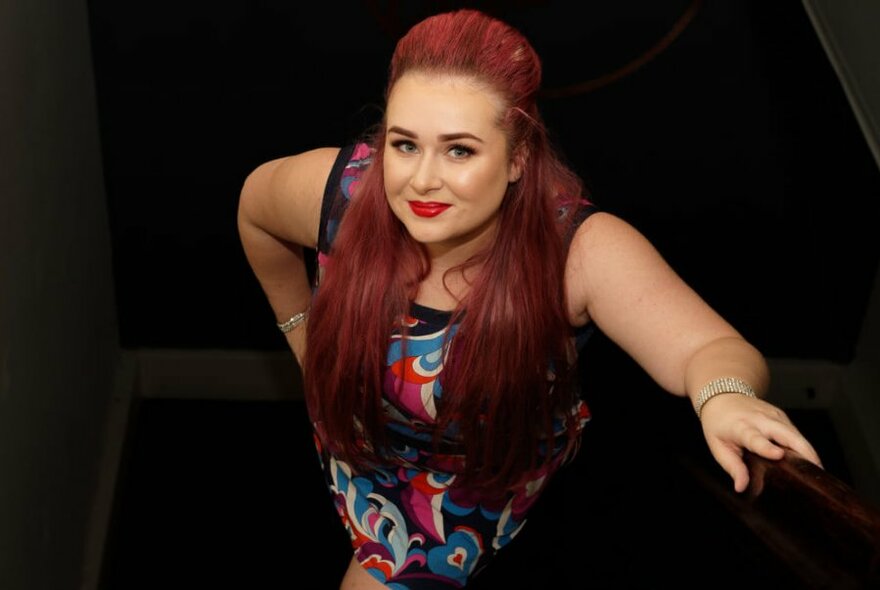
x=731 y=461
x=760 y=444
x=776 y=427
x=770 y=439
x=766 y=433
x=790 y=437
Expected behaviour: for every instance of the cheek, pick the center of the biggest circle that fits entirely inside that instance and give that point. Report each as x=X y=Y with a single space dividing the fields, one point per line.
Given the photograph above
x=394 y=178
x=485 y=185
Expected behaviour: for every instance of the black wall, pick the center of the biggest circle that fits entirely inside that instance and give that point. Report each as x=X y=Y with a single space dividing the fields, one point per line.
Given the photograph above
x=734 y=151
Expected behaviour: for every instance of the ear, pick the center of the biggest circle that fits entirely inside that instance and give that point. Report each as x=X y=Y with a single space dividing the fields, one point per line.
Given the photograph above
x=517 y=165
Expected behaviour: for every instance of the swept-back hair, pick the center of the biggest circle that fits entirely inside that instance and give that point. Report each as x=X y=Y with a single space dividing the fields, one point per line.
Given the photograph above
x=513 y=326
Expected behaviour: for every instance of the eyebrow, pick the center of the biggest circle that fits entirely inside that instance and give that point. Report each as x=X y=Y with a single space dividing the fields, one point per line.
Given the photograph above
x=443 y=137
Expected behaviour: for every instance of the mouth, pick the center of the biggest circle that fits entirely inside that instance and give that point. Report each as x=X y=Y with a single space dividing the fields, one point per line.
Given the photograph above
x=429 y=209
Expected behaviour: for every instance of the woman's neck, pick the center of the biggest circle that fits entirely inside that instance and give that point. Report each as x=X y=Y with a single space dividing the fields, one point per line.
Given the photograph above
x=453 y=268
x=445 y=289
x=450 y=254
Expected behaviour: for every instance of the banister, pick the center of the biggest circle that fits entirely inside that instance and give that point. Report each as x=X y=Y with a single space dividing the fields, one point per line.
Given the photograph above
x=812 y=520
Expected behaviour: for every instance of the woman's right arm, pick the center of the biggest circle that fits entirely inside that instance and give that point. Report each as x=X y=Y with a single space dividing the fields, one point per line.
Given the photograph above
x=279 y=212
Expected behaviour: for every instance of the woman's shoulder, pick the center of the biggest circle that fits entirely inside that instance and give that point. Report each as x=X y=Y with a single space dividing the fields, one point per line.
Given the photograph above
x=283 y=196
x=603 y=246
x=612 y=268
x=600 y=230
x=604 y=239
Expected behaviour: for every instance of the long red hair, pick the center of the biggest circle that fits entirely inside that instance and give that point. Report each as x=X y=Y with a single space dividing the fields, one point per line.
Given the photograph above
x=515 y=331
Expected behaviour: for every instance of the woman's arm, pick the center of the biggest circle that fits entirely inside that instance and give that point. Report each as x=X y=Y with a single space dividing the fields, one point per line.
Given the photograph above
x=617 y=279
x=279 y=213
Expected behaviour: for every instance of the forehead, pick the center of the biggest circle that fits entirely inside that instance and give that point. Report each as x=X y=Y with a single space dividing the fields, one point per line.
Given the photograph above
x=428 y=103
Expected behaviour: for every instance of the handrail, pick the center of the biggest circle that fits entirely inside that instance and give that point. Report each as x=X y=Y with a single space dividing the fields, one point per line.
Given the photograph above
x=812 y=520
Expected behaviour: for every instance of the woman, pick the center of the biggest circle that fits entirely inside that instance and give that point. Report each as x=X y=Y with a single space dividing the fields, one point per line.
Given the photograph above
x=459 y=267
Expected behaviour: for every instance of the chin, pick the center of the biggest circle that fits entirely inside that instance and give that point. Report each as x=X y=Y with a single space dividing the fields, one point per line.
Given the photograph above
x=422 y=235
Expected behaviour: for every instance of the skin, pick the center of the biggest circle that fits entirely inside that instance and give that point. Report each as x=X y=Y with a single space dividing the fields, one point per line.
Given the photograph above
x=613 y=277
x=443 y=145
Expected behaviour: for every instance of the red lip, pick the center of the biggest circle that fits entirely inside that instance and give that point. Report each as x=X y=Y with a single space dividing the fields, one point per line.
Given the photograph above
x=430 y=209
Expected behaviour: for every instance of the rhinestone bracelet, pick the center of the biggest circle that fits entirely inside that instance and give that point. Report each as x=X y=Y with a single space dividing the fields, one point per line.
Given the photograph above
x=294 y=321
x=722 y=385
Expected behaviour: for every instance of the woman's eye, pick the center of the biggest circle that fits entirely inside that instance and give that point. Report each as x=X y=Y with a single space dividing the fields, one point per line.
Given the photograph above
x=460 y=151
x=407 y=147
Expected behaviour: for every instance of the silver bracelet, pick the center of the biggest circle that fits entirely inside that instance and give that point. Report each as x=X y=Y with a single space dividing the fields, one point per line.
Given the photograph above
x=294 y=321
x=722 y=385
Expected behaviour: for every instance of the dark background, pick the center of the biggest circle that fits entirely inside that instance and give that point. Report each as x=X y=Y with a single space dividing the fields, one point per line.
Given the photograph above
x=734 y=150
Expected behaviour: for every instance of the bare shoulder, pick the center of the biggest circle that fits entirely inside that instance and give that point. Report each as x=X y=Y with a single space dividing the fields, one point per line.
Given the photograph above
x=603 y=229
x=283 y=196
x=616 y=278
x=604 y=248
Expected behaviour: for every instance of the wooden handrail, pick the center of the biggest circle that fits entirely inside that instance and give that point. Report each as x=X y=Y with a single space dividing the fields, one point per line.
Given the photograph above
x=807 y=518
x=812 y=520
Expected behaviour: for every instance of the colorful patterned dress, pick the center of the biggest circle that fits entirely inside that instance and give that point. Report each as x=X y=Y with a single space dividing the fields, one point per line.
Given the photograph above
x=409 y=527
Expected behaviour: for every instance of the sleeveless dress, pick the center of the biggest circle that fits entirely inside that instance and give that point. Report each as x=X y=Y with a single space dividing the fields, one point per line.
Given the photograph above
x=409 y=527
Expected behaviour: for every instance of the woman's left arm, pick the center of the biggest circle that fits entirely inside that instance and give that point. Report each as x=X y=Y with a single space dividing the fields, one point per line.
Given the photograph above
x=617 y=279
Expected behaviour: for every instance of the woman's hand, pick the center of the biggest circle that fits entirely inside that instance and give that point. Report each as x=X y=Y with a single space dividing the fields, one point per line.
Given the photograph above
x=733 y=423
x=296 y=339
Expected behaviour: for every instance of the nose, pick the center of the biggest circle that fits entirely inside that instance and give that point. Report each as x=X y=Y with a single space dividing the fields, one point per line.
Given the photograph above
x=425 y=177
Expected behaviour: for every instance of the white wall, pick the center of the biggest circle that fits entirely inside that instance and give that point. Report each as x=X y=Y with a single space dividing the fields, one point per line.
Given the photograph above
x=848 y=31
x=58 y=338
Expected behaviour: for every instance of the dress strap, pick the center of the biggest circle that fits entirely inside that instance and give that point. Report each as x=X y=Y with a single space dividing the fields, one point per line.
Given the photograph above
x=344 y=176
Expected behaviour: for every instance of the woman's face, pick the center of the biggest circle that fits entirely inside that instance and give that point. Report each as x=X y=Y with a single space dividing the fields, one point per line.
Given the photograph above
x=446 y=162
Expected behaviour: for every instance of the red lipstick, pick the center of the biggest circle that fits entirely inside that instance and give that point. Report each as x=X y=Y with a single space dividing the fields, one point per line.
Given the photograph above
x=429 y=209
